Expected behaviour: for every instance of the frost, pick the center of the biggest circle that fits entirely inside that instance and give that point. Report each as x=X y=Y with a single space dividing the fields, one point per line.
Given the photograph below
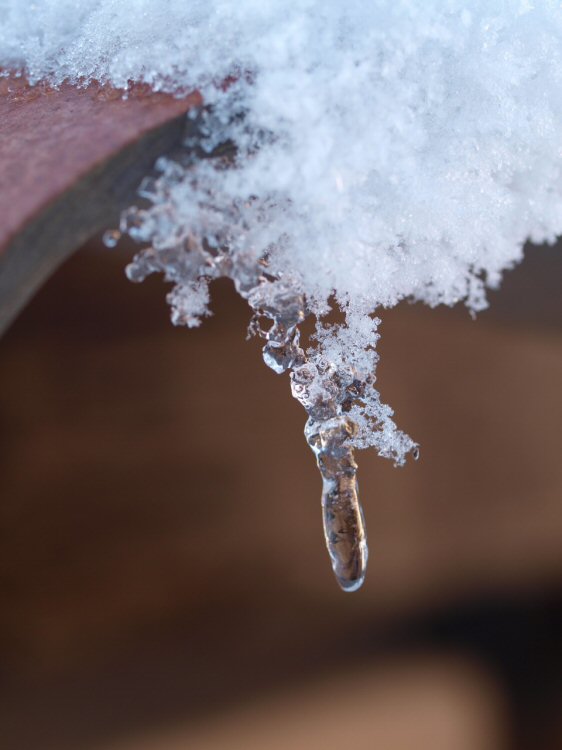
x=354 y=154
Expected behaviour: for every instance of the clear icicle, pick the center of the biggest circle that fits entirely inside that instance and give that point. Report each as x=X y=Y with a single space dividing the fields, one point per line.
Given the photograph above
x=344 y=525
x=326 y=395
x=328 y=431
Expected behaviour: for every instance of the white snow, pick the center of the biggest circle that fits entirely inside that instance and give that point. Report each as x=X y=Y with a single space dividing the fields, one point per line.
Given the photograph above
x=388 y=149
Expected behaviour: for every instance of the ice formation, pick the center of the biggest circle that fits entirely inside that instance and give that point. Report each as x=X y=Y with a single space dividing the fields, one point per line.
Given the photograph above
x=355 y=153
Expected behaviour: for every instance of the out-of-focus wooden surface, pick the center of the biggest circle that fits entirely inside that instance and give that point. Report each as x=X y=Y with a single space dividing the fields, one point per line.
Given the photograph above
x=427 y=703
x=70 y=159
x=162 y=557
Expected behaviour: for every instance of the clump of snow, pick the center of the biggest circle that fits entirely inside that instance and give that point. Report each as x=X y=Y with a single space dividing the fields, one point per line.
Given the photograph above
x=384 y=150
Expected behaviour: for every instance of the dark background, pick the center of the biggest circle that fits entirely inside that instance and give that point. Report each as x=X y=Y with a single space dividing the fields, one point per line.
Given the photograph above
x=163 y=578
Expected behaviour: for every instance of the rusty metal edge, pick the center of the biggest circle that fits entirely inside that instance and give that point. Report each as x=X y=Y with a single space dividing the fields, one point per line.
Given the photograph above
x=92 y=204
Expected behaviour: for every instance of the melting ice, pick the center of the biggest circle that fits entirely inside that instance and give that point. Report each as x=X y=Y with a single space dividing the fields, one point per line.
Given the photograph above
x=334 y=383
x=356 y=153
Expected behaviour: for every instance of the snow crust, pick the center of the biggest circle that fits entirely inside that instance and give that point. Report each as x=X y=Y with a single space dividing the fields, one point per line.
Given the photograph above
x=386 y=150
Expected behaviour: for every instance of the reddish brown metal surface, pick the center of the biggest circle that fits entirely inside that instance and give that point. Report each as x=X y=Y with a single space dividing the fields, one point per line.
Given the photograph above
x=50 y=138
x=70 y=158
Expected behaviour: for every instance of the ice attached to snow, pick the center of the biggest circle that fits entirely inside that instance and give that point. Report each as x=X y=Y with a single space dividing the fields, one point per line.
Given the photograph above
x=386 y=150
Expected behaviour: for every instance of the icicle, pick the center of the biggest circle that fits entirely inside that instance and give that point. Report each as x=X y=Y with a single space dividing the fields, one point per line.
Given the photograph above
x=328 y=431
x=344 y=526
x=326 y=394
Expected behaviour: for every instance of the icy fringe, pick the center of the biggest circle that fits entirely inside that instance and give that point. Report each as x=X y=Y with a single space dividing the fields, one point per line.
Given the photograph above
x=198 y=230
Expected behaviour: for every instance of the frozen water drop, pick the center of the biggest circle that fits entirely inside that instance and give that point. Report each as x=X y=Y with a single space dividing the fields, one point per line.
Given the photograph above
x=135 y=272
x=111 y=237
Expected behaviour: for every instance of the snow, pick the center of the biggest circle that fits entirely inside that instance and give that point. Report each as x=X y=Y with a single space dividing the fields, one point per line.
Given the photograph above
x=389 y=150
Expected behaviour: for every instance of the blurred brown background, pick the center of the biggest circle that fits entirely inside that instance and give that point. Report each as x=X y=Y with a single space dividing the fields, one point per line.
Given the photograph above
x=163 y=578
